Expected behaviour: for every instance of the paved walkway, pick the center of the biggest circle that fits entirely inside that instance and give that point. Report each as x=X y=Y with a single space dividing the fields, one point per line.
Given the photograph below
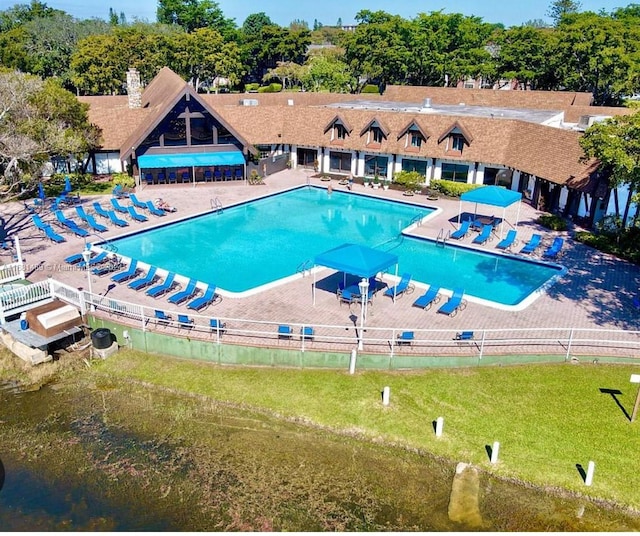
x=596 y=292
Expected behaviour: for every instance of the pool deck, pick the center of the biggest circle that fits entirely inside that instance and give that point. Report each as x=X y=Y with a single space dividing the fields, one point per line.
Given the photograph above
x=595 y=293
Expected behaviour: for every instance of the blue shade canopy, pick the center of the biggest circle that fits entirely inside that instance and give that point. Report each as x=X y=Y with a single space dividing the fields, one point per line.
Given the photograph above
x=356 y=260
x=224 y=158
x=496 y=196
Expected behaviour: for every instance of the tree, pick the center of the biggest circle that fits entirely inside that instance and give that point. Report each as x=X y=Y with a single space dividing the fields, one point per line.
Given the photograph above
x=204 y=56
x=339 y=22
x=615 y=142
x=596 y=53
x=561 y=8
x=285 y=71
x=523 y=54
x=100 y=62
x=194 y=14
x=20 y=14
x=38 y=120
x=254 y=23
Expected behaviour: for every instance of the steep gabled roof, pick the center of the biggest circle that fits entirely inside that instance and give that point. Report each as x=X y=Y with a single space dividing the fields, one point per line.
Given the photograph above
x=375 y=122
x=338 y=120
x=457 y=126
x=413 y=123
x=161 y=95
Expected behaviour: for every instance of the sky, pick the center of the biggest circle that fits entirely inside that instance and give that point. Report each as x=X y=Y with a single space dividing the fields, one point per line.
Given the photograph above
x=327 y=12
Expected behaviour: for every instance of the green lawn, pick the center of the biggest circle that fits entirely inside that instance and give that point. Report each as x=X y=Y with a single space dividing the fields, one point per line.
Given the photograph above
x=548 y=418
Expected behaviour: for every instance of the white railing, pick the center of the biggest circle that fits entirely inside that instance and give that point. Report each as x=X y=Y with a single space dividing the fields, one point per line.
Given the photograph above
x=11 y=272
x=19 y=299
x=564 y=342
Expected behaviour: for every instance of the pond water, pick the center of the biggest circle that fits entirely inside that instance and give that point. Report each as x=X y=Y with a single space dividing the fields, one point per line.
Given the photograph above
x=116 y=457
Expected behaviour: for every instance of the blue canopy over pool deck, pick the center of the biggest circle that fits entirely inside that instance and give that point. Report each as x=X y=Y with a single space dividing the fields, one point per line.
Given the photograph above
x=496 y=196
x=356 y=260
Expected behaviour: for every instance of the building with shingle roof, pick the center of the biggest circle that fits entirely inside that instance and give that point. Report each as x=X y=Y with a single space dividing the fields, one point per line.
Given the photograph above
x=523 y=140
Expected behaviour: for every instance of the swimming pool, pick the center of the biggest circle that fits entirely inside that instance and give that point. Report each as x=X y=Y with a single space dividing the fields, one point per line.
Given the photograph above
x=256 y=243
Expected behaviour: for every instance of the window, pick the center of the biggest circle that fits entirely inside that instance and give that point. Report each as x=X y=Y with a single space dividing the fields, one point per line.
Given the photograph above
x=376 y=135
x=456 y=142
x=375 y=165
x=455 y=172
x=415 y=165
x=340 y=132
x=416 y=140
x=339 y=162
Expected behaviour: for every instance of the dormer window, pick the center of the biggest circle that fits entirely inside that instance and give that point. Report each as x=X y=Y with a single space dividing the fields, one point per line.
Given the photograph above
x=376 y=133
x=414 y=136
x=456 y=137
x=338 y=129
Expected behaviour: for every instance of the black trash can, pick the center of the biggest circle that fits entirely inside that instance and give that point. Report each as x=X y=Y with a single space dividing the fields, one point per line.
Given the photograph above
x=101 y=338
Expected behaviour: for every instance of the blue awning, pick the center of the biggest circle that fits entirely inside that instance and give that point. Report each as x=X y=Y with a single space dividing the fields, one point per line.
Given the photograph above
x=224 y=158
x=357 y=260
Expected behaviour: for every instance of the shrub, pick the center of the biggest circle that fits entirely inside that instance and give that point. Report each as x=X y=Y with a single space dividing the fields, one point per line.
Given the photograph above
x=452 y=188
x=553 y=222
x=411 y=180
x=251 y=87
x=370 y=88
x=271 y=88
x=123 y=179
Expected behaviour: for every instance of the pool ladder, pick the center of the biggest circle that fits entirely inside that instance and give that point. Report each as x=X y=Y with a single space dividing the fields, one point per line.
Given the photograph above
x=418 y=219
x=442 y=238
x=216 y=205
x=304 y=267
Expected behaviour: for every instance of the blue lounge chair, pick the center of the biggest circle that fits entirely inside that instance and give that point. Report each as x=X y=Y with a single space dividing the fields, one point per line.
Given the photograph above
x=100 y=211
x=137 y=203
x=186 y=177
x=189 y=292
x=153 y=210
x=119 y=192
x=403 y=286
x=172 y=177
x=484 y=235
x=306 y=333
x=127 y=274
x=462 y=231
x=455 y=303
x=216 y=325
x=118 y=207
x=203 y=301
x=136 y=215
x=162 y=178
x=166 y=286
x=148 y=178
x=533 y=244
x=115 y=220
x=91 y=222
x=37 y=221
x=162 y=317
x=74 y=259
x=96 y=259
x=70 y=224
x=284 y=331
x=406 y=337
x=554 y=250
x=41 y=195
x=53 y=236
x=431 y=296
x=149 y=279
x=508 y=240
x=207 y=175
x=185 y=322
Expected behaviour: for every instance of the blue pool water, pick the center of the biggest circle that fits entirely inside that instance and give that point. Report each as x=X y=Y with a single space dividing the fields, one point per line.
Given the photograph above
x=258 y=242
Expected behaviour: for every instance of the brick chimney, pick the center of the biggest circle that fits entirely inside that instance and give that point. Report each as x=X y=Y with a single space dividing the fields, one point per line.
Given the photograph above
x=134 y=88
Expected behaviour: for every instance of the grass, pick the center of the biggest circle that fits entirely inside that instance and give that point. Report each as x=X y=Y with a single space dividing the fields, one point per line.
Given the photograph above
x=550 y=420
